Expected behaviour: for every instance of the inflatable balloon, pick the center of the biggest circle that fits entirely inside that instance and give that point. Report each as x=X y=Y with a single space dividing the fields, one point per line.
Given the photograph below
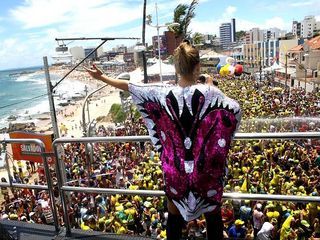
x=238 y=69
x=224 y=71
x=219 y=66
x=231 y=70
x=230 y=60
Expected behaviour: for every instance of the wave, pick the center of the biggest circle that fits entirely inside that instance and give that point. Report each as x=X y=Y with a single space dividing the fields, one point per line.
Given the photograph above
x=31 y=78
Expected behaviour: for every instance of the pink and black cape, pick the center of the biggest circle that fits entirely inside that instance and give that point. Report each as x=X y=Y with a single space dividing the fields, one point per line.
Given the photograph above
x=192 y=128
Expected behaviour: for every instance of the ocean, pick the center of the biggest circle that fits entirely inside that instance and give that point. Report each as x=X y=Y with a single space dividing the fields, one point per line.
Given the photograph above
x=17 y=86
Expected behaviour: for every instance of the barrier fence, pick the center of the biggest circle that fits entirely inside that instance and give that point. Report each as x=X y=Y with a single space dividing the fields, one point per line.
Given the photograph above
x=48 y=187
x=63 y=188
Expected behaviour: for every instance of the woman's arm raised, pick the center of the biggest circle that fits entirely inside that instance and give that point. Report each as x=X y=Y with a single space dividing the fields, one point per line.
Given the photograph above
x=98 y=74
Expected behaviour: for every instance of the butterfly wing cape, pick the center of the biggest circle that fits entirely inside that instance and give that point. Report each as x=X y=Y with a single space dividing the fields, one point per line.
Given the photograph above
x=192 y=128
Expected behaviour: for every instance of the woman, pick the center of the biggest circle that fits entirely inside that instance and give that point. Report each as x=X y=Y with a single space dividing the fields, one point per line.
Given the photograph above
x=192 y=127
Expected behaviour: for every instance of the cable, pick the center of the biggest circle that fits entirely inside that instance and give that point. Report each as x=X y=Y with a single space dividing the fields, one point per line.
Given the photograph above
x=16 y=103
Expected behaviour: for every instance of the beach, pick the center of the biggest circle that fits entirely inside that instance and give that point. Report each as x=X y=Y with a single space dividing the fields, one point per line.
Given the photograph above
x=69 y=97
x=69 y=118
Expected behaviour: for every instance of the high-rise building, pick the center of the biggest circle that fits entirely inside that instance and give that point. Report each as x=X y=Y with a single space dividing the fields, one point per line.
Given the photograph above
x=227 y=34
x=306 y=28
x=296 y=28
x=273 y=33
x=233 y=30
x=255 y=35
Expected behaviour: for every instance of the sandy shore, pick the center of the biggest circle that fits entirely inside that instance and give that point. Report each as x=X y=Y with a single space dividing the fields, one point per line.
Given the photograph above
x=69 y=117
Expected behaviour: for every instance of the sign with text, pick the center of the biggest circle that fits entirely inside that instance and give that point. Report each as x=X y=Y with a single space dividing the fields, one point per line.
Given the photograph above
x=31 y=151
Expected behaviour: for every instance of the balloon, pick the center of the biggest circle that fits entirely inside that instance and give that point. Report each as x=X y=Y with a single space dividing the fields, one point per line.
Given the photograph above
x=224 y=71
x=238 y=70
x=231 y=70
x=219 y=66
x=230 y=60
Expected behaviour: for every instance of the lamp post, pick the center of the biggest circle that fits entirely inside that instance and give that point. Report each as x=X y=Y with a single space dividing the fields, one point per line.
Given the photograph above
x=174 y=24
x=286 y=68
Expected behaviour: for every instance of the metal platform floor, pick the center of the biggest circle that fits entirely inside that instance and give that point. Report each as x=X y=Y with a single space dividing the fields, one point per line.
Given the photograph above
x=28 y=231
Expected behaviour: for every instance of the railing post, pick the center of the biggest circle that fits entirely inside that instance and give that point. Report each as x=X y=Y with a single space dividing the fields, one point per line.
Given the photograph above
x=50 y=189
x=7 y=164
x=61 y=192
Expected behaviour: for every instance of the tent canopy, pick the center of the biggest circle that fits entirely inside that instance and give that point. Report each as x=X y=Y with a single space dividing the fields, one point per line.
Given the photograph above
x=166 y=69
x=275 y=66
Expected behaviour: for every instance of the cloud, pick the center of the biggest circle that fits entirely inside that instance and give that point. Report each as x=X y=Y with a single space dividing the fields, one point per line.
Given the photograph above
x=229 y=12
x=277 y=22
x=93 y=14
x=300 y=4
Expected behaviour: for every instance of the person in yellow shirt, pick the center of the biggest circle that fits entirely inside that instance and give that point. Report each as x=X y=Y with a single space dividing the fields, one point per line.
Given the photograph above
x=85 y=223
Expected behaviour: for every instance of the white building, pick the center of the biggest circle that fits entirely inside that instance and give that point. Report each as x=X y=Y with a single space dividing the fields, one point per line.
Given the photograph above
x=255 y=35
x=77 y=53
x=273 y=33
x=309 y=26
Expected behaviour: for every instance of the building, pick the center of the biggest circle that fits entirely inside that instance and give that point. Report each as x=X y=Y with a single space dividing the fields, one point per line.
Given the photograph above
x=284 y=46
x=273 y=33
x=255 y=35
x=95 y=55
x=260 y=54
x=305 y=57
x=296 y=28
x=163 y=46
x=77 y=53
x=237 y=53
x=307 y=28
x=172 y=41
x=168 y=43
x=208 y=38
x=227 y=34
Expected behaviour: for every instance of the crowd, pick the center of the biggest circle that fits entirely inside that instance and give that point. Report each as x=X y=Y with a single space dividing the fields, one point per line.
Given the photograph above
x=264 y=166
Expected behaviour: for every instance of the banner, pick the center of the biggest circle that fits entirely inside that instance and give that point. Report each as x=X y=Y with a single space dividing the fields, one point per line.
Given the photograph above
x=31 y=152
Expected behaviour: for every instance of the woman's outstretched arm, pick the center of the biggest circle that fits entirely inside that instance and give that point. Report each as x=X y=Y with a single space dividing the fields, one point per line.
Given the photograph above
x=99 y=75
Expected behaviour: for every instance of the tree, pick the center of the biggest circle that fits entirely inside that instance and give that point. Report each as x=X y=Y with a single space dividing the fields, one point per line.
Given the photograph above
x=183 y=15
x=117 y=113
x=239 y=35
x=197 y=38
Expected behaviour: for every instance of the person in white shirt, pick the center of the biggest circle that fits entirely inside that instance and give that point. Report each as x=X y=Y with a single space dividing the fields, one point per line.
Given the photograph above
x=268 y=230
x=258 y=217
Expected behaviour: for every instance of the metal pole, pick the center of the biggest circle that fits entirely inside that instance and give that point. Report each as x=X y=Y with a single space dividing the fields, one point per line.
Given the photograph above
x=286 y=69
x=103 y=42
x=50 y=189
x=305 y=80
x=4 y=145
x=83 y=109
x=230 y=195
x=144 y=59
x=51 y=100
x=159 y=52
x=62 y=193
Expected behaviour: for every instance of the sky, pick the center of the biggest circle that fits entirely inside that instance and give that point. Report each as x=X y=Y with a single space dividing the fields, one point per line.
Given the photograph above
x=28 y=28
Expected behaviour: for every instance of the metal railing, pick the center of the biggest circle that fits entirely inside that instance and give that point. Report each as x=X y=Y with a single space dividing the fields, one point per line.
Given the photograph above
x=48 y=187
x=109 y=191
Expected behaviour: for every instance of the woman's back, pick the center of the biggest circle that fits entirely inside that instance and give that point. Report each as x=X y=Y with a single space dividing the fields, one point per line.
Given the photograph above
x=192 y=127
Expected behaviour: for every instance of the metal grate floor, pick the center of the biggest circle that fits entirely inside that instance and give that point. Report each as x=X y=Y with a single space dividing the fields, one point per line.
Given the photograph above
x=27 y=231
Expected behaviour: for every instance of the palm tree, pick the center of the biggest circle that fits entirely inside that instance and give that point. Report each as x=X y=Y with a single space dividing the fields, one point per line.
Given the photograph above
x=183 y=15
x=189 y=16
